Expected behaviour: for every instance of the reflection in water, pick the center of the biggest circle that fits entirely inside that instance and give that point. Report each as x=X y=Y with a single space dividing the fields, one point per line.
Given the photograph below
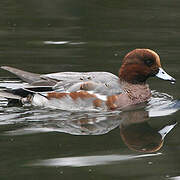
x=162 y=104
x=135 y=130
x=63 y=42
x=175 y=178
x=138 y=135
x=89 y=160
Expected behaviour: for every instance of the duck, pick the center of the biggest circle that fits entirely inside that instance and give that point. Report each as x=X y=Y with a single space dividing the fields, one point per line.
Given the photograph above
x=91 y=90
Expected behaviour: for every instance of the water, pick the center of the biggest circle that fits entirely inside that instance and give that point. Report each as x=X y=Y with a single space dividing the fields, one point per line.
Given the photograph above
x=52 y=36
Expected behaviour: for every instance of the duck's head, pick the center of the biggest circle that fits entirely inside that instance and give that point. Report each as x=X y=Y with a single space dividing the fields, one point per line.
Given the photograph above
x=140 y=64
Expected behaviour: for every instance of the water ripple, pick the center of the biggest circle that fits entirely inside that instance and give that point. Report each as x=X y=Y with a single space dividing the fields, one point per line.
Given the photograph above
x=84 y=161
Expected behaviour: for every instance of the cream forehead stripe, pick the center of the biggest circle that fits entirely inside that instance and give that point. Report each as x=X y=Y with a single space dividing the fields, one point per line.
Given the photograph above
x=157 y=57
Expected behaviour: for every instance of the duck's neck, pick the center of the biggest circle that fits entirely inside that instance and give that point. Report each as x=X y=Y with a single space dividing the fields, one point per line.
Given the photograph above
x=137 y=92
x=133 y=94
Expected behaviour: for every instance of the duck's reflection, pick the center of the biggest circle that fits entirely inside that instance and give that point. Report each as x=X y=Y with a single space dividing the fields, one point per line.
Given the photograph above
x=139 y=135
x=136 y=130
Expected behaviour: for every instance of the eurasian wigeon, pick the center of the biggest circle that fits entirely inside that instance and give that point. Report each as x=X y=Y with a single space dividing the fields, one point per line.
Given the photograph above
x=92 y=90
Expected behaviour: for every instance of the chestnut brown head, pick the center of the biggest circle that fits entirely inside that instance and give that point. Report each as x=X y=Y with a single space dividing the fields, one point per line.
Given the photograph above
x=140 y=64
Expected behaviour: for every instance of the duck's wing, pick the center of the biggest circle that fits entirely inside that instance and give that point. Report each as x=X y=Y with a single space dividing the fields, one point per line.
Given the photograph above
x=99 y=82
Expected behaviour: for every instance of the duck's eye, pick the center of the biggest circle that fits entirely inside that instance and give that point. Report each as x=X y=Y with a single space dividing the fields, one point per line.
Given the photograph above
x=149 y=62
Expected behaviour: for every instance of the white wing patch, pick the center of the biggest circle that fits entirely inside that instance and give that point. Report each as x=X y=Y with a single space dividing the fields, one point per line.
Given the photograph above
x=99 y=96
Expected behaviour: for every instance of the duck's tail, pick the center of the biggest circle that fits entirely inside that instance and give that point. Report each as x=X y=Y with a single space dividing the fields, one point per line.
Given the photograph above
x=24 y=75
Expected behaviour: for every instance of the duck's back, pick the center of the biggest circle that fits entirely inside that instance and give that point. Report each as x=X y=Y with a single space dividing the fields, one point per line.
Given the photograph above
x=99 y=82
